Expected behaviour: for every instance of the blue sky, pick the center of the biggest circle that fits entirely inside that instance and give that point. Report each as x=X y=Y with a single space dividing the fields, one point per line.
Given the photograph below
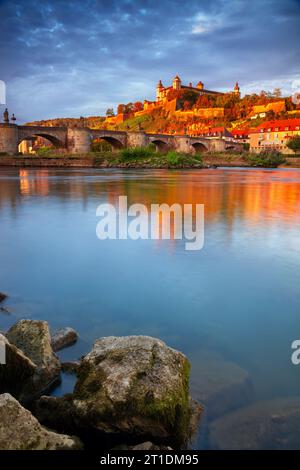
x=71 y=58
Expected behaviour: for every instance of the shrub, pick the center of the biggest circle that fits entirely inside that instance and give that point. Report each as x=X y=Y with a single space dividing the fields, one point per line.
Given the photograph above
x=266 y=159
x=44 y=151
x=294 y=143
x=175 y=158
x=101 y=146
x=137 y=153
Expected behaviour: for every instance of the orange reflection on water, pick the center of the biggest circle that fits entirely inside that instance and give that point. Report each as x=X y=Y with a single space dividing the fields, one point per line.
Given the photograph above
x=34 y=183
x=252 y=196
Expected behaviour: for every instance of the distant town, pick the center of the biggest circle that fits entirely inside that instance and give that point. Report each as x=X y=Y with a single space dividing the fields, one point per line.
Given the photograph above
x=260 y=121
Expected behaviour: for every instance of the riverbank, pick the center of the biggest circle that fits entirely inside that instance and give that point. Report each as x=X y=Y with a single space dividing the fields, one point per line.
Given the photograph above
x=115 y=161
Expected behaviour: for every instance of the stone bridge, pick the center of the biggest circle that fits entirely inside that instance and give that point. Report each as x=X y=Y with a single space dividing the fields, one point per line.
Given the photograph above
x=79 y=139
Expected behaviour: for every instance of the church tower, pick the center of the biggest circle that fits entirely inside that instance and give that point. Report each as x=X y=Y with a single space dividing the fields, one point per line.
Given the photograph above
x=177 y=83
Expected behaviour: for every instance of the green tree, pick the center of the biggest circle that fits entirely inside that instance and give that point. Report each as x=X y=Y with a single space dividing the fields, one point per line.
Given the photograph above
x=294 y=143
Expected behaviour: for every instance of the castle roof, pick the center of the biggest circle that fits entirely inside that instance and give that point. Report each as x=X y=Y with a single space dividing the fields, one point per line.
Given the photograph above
x=177 y=78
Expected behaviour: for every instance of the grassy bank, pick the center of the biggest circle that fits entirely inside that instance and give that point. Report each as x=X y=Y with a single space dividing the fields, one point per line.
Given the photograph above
x=147 y=157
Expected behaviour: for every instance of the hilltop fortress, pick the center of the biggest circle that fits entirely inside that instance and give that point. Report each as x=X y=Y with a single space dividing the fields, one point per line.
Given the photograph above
x=162 y=92
x=170 y=99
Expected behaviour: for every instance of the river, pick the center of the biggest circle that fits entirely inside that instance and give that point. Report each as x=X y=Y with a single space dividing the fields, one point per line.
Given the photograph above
x=237 y=299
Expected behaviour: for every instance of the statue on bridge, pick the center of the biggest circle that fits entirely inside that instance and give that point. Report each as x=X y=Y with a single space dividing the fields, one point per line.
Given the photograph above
x=6 y=116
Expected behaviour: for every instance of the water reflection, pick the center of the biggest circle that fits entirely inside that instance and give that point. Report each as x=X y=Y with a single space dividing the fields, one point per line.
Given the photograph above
x=236 y=300
x=250 y=195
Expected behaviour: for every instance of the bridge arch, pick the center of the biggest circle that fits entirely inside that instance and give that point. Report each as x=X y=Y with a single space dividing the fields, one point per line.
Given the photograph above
x=53 y=139
x=199 y=147
x=113 y=141
x=160 y=144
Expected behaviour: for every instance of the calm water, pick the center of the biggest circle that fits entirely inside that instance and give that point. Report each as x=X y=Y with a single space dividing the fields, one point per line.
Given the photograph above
x=238 y=297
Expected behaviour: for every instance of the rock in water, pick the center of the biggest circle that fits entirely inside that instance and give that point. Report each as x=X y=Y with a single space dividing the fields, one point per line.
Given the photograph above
x=2 y=296
x=16 y=375
x=220 y=385
x=20 y=430
x=63 y=338
x=266 y=425
x=70 y=367
x=33 y=338
x=127 y=386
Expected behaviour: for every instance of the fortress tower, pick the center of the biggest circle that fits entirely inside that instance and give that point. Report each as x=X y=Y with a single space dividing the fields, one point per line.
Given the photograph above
x=236 y=89
x=159 y=90
x=177 y=83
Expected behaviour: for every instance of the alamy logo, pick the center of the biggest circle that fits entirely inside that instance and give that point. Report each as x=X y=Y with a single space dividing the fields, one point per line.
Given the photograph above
x=2 y=92
x=2 y=352
x=295 y=358
x=165 y=222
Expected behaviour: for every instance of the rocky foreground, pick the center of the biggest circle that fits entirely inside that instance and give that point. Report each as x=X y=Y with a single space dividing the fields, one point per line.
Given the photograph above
x=129 y=390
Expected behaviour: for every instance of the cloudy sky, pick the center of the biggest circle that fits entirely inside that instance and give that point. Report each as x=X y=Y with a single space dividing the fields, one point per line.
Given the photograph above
x=64 y=58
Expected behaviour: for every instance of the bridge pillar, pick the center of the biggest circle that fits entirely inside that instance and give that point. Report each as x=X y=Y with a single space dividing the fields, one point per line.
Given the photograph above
x=9 y=138
x=137 y=139
x=219 y=145
x=78 y=140
x=182 y=144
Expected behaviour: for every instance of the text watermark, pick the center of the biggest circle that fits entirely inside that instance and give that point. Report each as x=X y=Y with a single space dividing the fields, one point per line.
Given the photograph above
x=2 y=92
x=2 y=351
x=295 y=358
x=165 y=222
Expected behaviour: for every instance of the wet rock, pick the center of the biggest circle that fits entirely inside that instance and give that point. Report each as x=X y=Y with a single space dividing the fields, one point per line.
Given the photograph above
x=273 y=424
x=63 y=338
x=220 y=385
x=5 y=310
x=16 y=375
x=33 y=338
x=70 y=367
x=132 y=386
x=2 y=296
x=20 y=430
x=143 y=446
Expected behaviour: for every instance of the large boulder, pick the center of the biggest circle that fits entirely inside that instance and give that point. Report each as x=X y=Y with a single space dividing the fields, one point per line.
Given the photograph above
x=20 y=430
x=33 y=338
x=267 y=425
x=17 y=371
x=220 y=385
x=63 y=338
x=132 y=386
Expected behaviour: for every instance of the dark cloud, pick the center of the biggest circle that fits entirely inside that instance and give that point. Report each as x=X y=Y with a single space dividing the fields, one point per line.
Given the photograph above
x=67 y=58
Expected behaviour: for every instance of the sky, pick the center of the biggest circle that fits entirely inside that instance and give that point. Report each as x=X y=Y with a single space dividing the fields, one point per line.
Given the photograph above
x=71 y=58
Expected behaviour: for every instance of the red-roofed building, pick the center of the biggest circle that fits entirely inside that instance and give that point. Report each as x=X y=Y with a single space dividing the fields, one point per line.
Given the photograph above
x=274 y=135
x=220 y=132
x=241 y=135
